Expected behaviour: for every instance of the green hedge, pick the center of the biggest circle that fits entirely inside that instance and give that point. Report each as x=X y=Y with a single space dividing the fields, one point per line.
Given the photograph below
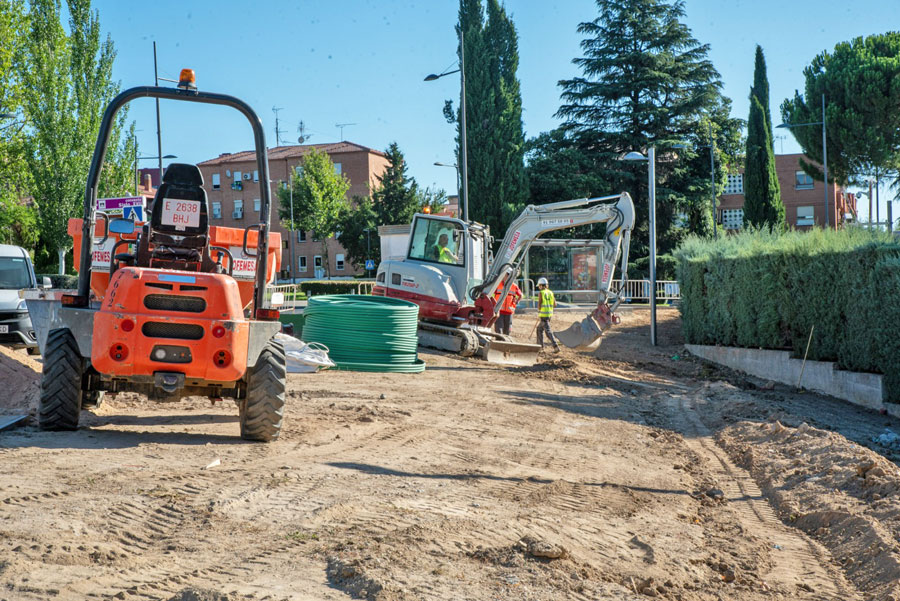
x=316 y=287
x=764 y=290
x=59 y=281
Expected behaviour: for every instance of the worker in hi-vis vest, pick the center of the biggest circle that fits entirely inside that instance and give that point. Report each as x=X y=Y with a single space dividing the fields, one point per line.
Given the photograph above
x=445 y=255
x=546 y=302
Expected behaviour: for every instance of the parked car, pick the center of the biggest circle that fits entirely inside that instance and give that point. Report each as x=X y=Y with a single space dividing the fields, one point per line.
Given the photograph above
x=16 y=273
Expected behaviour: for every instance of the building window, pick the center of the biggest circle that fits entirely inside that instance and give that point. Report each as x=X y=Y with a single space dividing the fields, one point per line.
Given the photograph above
x=806 y=216
x=237 y=176
x=256 y=203
x=255 y=175
x=299 y=170
x=284 y=244
x=301 y=235
x=732 y=219
x=238 y=209
x=339 y=262
x=301 y=264
x=217 y=181
x=734 y=184
x=338 y=168
x=216 y=209
x=317 y=261
x=804 y=181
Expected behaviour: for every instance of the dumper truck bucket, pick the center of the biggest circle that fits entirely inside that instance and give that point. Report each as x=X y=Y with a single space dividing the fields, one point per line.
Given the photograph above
x=510 y=353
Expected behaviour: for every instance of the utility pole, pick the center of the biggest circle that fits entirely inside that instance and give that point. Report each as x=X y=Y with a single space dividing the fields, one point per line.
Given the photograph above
x=158 y=134
x=651 y=155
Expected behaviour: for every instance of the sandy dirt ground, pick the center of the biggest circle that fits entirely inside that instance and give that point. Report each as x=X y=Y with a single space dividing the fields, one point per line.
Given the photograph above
x=630 y=473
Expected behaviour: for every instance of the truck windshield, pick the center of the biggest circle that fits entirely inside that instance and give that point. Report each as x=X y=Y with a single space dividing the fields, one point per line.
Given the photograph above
x=438 y=241
x=14 y=273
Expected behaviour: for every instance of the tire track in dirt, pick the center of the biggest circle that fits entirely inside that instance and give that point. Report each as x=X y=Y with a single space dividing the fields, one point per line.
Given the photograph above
x=798 y=562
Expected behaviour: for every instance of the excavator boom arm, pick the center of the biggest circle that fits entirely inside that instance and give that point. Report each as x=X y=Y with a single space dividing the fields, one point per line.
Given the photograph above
x=617 y=211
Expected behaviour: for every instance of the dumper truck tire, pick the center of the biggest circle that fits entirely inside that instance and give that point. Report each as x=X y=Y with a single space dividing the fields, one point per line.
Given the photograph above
x=61 y=393
x=262 y=410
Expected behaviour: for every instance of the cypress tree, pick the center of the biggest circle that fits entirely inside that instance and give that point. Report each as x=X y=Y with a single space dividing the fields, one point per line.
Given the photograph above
x=498 y=187
x=762 y=192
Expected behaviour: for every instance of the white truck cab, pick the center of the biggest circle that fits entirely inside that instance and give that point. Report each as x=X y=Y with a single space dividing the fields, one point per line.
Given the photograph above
x=16 y=273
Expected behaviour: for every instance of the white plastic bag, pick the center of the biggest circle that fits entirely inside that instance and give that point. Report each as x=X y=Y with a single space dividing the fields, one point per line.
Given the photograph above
x=303 y=358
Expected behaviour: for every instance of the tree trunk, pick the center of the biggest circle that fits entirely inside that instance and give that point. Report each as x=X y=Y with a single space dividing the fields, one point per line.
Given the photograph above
x=325 y=262
x=62 y=260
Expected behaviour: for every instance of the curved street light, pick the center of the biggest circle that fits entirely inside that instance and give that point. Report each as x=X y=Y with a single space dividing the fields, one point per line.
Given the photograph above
x=463 y=192
x=824 y=154
x=651 y=175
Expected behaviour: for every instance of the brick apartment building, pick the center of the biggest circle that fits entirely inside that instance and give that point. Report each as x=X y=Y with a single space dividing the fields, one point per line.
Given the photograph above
x=803 y=198
x=232 y=186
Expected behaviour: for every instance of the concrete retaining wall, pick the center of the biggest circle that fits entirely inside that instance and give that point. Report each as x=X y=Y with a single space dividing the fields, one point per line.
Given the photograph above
x=821 y=376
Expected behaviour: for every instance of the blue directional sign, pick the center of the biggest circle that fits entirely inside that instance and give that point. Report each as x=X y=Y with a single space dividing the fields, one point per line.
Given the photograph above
x=136 y=213
x=370 y=264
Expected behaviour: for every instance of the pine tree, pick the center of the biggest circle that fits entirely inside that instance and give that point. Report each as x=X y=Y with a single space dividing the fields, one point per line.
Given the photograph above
x=394 y=198
x=762 y=192
x=497 y=187
x=645 y=81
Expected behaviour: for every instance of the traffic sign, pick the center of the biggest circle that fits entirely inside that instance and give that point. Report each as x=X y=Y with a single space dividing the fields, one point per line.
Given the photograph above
x=370 y=264
x=136 y=213
x=109 y=204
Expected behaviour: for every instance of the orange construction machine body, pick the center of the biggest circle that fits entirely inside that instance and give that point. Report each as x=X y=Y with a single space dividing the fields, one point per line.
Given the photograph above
x=223 y=237
x=152 y=320
x=170 y=307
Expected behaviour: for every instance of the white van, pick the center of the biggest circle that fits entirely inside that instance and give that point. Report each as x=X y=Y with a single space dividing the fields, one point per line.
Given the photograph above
x=16 y=273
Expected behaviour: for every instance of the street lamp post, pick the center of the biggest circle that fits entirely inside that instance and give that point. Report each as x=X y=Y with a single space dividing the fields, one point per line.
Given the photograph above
x=824 y=155
x=651 y=175
x=463 y=192
x=455 y=166
x=137 y=158
x=368 y=251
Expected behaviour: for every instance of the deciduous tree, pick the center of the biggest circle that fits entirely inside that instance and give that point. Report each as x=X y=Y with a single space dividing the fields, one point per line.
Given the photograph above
x=67 y=83
x=319 y=198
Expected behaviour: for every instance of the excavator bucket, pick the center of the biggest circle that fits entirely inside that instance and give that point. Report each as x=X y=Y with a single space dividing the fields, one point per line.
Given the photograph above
x=581 y=334
x=509 y=353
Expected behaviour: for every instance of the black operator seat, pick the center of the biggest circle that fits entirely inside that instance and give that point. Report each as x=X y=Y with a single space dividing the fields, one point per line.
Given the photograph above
x=177 y=235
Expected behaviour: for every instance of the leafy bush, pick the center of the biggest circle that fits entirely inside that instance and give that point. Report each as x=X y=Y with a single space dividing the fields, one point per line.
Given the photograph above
x=767 y=290
x=317 y=287
x=59 y=281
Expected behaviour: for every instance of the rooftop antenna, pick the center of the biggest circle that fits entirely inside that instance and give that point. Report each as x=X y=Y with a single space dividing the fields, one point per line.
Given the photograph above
x=780 y=138
x=342 y=126
x=278 y=131
x=304 y=136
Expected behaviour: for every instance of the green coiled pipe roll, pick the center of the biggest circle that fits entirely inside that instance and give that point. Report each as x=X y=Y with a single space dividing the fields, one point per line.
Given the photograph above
x=365 y=333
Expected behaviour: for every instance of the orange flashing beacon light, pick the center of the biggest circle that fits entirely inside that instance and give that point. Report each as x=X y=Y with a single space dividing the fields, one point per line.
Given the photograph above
x=187 y=80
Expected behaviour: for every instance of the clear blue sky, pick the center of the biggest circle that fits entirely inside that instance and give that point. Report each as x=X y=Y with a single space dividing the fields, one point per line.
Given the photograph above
x=363 y=62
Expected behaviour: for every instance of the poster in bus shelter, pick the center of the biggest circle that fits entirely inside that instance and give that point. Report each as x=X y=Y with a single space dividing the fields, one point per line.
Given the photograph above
x=584 y=270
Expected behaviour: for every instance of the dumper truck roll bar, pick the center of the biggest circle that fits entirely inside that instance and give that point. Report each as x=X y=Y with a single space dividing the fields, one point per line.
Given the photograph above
x=185 y=92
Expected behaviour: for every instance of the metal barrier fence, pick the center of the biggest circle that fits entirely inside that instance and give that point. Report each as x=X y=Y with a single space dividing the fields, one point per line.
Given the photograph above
x=636 y=291
x=291 y=293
